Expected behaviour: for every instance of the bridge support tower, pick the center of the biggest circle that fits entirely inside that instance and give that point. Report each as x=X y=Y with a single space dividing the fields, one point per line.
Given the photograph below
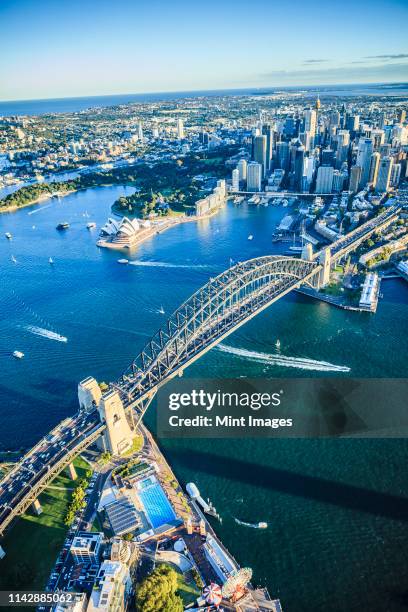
x=37 y=508
x=72 y=471
x=118 y=436
x=325 y=261
x=89 y=394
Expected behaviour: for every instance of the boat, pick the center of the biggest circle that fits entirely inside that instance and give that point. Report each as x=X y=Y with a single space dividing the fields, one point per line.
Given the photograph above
x=250 y=237
x=123 y=261
x=161 y=310
x=262 y=525
x=278 y=344
x=51 y=261
x=8 y=235
x=63 y=226
x=18 y=354
x=91 y=225
x=13 y=259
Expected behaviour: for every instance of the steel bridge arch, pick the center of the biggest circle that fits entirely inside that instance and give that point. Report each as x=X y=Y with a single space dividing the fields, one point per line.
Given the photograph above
x=209 y=315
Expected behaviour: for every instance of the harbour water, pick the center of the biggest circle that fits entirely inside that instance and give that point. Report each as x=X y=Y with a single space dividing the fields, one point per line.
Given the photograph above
x=332 y=542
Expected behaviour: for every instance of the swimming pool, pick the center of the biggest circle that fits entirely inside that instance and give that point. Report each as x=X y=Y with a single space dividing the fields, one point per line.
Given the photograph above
x=155 y=503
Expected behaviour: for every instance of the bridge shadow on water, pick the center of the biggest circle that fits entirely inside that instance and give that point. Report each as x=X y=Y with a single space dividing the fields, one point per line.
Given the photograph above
x=347 y=496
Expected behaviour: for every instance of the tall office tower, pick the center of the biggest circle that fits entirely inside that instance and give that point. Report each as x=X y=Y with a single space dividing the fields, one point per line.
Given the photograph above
x=374 y=165
x=180 y=129
x=355 y=176
x=335 y=119
x=384 y=174
x=352 y=123
x=396 y=174
x=254 y=176
x=267 y=130
x=338 y=181
x=385 y=150
x=328 y=157
x=235 y=179
x=378 y=137
x=308 y=171
x=298 y=167
x=289 y=127
x=324 y=181
x=260 y=152
x=342 y=144
x=310 y=118
x=140 y=131
x=242 y=169
x=282 y=156
x=365 y=149
x=402 y=115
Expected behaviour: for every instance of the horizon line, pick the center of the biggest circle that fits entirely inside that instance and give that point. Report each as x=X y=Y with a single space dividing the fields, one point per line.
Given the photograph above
x=255 y=88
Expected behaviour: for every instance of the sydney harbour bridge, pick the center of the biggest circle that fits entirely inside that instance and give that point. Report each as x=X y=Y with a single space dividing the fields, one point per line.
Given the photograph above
x=216 y=310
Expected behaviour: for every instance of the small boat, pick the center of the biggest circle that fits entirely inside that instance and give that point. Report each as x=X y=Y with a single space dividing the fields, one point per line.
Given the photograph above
x=63 y=226
x=123 y=261
x=161 y=310
x=262 y=525
x=13 y=259
x=250 y=237
x=51 y=261
x=278 y=344
x=18 y=354
x=8 y=235
x=91 y=225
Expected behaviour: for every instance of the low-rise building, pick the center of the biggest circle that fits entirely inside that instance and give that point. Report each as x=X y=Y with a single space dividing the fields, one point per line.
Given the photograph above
x=86 y=547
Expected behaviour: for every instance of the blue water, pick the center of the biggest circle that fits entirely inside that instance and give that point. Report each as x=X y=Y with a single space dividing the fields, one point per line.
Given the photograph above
x=335 y=539
x=156 y=505
x=70 y=105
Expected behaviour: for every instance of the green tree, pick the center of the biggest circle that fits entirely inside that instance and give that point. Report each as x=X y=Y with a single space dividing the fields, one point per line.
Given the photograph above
x=158 y=592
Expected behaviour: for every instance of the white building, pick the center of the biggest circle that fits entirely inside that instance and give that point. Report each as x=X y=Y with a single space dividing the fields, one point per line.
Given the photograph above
x=235 y=179
x=180 y=129
x=324 y=182
x=112 y=588
x=254 y=176
x=85 y=547
x=242 y=169
x=369 y=295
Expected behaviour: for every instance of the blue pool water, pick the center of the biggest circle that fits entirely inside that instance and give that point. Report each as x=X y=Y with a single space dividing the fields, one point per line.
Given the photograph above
x=156 y=505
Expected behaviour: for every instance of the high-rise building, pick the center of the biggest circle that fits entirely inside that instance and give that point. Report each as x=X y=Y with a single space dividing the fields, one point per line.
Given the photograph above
x=324 y=181
x=384 y=175
x=352 y=123
x=328 y=157
x=242 y=169
x=338 y=181
x=235 y=179
x=310 y=118
x=355 y=177
x=396 y=174
x=113 y=586
x=254 y=176
x=298 y=167
x=86 y=547
x=365 y=149
x=374 y=165
x=140 y=131
x=402 y=115
x=260 y=152
x=334 y=119
x=282 y=156
x=180 y=129
x=267 y=130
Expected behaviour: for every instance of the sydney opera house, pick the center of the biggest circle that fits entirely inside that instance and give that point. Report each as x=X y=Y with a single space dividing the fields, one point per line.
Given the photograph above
x=123 y=233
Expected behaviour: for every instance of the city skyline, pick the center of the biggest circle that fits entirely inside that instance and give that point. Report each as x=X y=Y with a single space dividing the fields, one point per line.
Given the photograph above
x=92 y=50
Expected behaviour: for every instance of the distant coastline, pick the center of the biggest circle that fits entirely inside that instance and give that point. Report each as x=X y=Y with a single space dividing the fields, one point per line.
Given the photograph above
x=76 y=104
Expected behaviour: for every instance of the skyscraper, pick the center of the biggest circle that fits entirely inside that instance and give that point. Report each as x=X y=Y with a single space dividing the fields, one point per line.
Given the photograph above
x=267 y=131
x=298 y=167
x=324 y=181
x=180 y=129
x=254 y=176
x=242 y=169
x=260 y=152
x=355 y=176
x=310 y=121
x=235 y=179
x=374 y=165
x=282 y=156
x=365 y=149
x=384 y=175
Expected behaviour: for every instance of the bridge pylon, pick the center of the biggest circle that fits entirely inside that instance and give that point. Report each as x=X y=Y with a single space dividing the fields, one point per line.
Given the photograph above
x=118 y=436
x=325 y=260
x=89 y=394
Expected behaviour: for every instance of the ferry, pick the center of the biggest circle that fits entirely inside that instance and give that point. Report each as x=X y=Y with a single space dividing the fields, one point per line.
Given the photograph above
x=91 y=225
x=123 y=261
x=8 y=235
x=63 y=226
x=18 y=354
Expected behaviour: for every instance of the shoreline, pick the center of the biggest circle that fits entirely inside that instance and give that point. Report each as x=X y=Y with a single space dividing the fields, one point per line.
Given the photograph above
x=42 y=198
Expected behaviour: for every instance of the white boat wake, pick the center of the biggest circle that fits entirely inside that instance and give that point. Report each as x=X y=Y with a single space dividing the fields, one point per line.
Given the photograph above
x=253 y=525
x=39 y=209
x=46 y=333
x=301 y=363
x=163 y=264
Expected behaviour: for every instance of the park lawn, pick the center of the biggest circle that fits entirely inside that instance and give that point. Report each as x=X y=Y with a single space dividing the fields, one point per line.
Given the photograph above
x=136 y=447
x=188 y=591
x=34 y=542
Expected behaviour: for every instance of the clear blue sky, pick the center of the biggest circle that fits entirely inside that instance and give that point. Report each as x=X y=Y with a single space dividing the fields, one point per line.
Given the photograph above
x=59 y=48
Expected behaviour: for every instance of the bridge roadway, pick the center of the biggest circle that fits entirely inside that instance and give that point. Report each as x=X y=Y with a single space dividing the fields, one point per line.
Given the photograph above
x=216 y=310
